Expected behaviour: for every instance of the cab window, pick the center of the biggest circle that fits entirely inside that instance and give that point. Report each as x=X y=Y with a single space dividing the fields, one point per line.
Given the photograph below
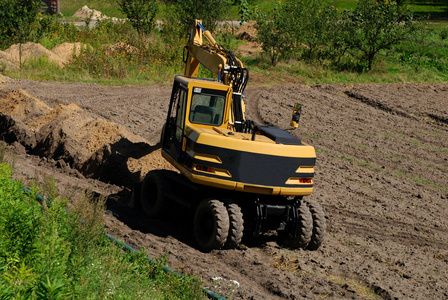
x=207 y=109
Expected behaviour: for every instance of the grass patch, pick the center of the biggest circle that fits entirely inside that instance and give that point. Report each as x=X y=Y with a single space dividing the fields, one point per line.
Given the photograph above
x=421 y=181
x=390 y=70
x=357 y=286
x=351 y=160
x=46 y=253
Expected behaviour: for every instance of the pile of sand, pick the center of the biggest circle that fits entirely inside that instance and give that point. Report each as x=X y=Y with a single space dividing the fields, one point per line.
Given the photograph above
x=121 y=47
x=30 y=50
x=22 y=106
x=249 y=49
x=96 y=147
x=60 y=54
x=3 y=79
x=85 y=13
x=67 y=51
x=247 y=31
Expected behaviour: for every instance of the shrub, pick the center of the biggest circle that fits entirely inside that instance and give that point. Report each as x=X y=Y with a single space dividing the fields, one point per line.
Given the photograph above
x=47 y=253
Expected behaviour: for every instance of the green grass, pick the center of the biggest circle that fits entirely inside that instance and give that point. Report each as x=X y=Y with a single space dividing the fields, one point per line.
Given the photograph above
x=46 y=253
x=421 y=181
x=316 y=73
x=434 y=9
x=422 y=58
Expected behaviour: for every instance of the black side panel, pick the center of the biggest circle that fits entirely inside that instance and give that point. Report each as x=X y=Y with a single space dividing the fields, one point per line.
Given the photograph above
x=253 y=168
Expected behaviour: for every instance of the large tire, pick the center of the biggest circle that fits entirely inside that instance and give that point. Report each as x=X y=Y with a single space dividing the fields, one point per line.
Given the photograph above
x=211 y=224
x=303 y=230
x=318 y=225
x=236 y=225
x=152 y=201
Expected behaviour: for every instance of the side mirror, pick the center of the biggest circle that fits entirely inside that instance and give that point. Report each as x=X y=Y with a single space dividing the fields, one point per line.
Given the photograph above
x=296 y=115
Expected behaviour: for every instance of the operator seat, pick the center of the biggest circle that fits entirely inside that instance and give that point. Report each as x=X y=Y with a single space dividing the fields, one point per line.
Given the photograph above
x=202 y=114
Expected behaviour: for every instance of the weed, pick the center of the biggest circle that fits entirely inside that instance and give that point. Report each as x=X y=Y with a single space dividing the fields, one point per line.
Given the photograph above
x=345 y=158
x=363 y=163
x=2 y=152
x=225 y=287
x=358 y=286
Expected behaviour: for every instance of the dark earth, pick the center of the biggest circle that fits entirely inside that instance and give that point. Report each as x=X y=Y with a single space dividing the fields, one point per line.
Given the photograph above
x=381 y=177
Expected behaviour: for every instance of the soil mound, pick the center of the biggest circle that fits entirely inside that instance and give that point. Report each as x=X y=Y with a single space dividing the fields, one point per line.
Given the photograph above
x=249 y=48
x=22 y=106
x=3 y=79
x=6 y=59
x=85 y=12
x=99 y=148
x=247 y=31
x=66 y=51
x=60 y=54
x=121 y=47
x=31 y=50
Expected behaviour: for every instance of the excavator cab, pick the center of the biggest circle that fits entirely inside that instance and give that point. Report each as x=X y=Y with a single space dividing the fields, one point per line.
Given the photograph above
x=195 y=103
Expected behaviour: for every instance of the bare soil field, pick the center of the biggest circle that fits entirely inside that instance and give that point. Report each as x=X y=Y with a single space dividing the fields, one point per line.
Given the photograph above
x=381 y=177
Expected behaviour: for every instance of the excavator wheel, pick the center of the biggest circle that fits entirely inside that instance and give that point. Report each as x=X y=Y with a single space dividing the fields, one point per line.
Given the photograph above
x=318 y=225
x=303 y=230
x=151 y=196
x=236 y=225
x=211 y=224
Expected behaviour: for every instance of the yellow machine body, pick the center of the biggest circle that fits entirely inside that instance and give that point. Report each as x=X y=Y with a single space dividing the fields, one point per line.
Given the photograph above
x=200 y=142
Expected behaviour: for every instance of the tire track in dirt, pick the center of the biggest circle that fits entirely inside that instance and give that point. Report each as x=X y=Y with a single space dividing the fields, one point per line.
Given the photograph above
x=252 y=109
x=421 y=116
x=361 y=225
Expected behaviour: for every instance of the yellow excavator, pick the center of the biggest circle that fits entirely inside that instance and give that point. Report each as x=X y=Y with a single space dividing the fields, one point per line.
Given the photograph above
x=238 y=178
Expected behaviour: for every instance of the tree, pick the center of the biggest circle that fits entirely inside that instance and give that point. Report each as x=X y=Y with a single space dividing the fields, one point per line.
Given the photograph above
x=276 y=41
x=309 y=23
x=244 y=12
x=17 y=22
x=377 y=25
x=296 y=27
x=141 y=13
x=182 y=13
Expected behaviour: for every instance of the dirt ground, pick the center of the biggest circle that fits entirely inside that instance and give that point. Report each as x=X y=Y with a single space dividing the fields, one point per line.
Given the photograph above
x=381 y=176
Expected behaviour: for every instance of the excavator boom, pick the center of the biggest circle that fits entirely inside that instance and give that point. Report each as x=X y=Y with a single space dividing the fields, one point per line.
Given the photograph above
x=224 y=65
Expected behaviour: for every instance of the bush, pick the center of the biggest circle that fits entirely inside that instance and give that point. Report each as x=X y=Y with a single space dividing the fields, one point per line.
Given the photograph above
x=47 y=253
x=51 y=32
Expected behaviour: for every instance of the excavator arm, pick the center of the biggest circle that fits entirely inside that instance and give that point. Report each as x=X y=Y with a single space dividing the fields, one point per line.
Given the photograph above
x=223 y=64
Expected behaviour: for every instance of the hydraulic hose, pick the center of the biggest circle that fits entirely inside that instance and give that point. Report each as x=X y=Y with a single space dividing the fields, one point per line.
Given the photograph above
x=210 y=294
